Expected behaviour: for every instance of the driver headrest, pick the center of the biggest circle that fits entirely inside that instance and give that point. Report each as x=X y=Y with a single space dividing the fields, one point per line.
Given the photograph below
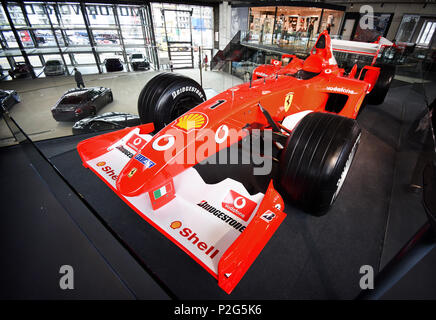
x=313 y=63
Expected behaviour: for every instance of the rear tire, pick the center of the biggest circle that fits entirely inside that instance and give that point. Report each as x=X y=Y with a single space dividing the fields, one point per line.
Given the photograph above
x=166 y=97
x=381 y=88
x=316 y=160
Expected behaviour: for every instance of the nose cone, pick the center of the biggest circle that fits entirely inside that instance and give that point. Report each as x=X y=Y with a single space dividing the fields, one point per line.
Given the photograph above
x=146 y=170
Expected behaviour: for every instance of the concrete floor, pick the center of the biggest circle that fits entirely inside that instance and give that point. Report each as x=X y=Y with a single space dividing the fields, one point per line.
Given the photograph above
x=39 y=95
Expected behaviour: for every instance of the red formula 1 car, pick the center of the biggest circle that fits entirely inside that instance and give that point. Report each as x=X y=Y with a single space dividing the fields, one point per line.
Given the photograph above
x=305 y=109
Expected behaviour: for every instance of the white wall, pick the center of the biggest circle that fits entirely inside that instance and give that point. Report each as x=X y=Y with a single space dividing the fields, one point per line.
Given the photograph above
x=398 y=10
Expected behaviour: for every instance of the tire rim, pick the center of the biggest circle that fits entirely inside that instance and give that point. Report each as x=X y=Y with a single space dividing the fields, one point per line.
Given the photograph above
x=346 y=169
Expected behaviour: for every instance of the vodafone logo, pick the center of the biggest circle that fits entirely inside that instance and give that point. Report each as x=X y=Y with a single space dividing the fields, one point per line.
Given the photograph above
x=136 y=142
x=239 y=202
x=239 y=205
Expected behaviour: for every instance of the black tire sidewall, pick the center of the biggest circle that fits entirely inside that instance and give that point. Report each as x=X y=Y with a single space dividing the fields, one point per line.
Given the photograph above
x=166 y=103
x=307 y=175
x=159 y=96
x=381 y=88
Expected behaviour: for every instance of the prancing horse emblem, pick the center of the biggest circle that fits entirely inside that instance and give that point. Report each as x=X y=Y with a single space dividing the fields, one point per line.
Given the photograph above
x=132 y=172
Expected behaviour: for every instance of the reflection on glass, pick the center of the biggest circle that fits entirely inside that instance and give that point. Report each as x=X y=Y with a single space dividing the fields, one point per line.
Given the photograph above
x=44 y=38
x=71 y=15
x=407 y=28
x=293 y=27
x=106 y=37
x=16 y=15
x=36 y=15
x=35 y=61
x=129 y=15
x=100 y=15
x=10 y=39
x=77 y=37
x=3 y=20
x=261 y=24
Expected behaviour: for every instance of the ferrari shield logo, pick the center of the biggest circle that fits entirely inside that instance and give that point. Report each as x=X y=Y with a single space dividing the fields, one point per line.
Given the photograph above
x=288 y=101
x=132 y=172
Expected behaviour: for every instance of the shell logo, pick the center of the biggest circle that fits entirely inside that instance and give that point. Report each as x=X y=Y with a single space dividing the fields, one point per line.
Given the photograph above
x=101 y=164
x=175 y=224
x=191 y=121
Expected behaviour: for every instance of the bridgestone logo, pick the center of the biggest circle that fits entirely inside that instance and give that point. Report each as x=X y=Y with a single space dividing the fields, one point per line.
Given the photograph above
x=221 y=215
x=341 y=90
x=188 y=89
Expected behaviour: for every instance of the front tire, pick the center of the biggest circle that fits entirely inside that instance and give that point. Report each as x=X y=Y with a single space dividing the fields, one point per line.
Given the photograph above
x=316 y=160
x=166 y=97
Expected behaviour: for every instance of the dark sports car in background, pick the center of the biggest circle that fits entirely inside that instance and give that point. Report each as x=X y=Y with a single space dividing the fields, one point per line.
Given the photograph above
x=77 y=104
x=106 y=121
x=7 y=99
x=113 y=64
x=21 y=70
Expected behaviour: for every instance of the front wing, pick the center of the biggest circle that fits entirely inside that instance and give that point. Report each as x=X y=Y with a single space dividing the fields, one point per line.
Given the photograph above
x=221 y=226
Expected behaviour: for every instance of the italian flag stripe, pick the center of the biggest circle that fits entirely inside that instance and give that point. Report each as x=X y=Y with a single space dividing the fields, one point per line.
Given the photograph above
x=160 y=192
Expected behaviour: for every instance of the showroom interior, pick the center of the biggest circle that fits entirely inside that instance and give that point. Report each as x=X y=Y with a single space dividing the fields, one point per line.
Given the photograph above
x=93 y=71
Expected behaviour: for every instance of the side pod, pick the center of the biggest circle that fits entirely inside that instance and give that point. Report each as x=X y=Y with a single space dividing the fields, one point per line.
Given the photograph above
x=245 y=249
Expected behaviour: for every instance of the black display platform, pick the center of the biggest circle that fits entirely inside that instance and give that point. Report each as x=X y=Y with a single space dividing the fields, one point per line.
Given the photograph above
x=308 y=257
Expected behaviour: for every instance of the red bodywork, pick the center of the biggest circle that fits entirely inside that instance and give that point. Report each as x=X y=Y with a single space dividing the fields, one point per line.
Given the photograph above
x=281 y=93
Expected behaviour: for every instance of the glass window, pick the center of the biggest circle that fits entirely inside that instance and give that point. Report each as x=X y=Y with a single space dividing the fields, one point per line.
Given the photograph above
x=407 y=28
x=106 y=37
x=10 y=39
x=36 y=15
x=129 y=15
x=51 y=57
x=73 y=99
x=16 y=15
x=60 y=38
x=4 y=24
x=4 y=63
x=332 y=18
x=26 y=40
x=111 y=55
x=426 y=34
x=77 y=37
x=381 y=22
x=71 y=15
x=35 y=61
x=18 y=59
x=44 y=38
x=261 y=24
x=52 y=14
x=100 y=15
x=132 y=35
x=83 y=58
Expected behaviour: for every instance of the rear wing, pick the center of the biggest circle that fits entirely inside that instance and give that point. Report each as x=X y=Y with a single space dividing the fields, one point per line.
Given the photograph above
x=361 y=48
